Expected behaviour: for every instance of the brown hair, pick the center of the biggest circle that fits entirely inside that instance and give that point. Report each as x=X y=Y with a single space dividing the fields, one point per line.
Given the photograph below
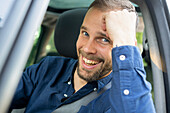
x=105 y=5
x=108 y=5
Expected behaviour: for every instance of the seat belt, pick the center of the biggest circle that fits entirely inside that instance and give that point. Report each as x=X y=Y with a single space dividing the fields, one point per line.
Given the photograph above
x=74 y=107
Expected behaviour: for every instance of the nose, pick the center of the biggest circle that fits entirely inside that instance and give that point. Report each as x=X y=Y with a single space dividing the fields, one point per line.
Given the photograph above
x=90 y=47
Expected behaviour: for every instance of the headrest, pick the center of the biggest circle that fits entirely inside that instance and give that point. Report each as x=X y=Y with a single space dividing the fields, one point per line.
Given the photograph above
x=67 y=31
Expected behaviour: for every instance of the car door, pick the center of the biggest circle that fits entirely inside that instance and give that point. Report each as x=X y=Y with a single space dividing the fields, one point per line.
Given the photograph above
x=156 y=19
x=19 y=20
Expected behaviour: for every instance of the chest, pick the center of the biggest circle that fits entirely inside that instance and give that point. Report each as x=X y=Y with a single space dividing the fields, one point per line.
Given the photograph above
x=50 y=96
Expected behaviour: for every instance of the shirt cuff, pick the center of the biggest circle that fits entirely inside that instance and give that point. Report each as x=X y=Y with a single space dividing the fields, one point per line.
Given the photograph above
x=126 y=57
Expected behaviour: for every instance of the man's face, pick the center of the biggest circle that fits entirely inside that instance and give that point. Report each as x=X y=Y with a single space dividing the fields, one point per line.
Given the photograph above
x=93 y=48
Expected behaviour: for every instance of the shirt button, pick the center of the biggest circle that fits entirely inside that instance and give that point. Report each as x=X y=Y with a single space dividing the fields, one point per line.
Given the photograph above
x=126 y=92
x=65 y=95
x=122 y=57
x=95 y=89
x=69 y=82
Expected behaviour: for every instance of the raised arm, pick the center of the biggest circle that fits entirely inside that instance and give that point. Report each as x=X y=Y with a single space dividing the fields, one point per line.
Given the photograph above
x=130 y=92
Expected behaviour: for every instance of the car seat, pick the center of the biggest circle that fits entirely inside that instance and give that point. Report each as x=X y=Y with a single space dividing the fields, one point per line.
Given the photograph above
x=67 y=31
x=66 y=34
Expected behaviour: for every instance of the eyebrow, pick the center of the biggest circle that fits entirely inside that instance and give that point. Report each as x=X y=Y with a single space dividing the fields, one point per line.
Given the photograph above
x=99 y=33
x=102 y=34
x=83 y=27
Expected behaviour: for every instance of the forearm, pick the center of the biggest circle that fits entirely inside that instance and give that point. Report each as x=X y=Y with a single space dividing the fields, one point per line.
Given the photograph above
x=130 y=92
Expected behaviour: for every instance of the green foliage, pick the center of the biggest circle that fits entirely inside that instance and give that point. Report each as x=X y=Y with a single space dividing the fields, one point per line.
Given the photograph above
x=31 y=58
x=50 y=46
x=139 y=37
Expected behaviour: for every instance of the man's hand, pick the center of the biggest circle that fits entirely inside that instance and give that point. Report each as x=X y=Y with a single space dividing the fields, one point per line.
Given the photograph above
x=121 y=27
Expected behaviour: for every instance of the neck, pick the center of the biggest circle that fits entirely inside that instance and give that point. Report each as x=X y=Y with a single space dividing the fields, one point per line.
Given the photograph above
x=105 y=75
x=78 y=82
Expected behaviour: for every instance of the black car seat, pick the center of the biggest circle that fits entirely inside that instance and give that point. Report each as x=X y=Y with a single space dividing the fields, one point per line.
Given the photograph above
x=66 y=35
x=67 y=31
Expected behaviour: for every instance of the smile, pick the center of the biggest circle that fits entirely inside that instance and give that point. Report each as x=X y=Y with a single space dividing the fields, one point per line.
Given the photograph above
x=89 y=64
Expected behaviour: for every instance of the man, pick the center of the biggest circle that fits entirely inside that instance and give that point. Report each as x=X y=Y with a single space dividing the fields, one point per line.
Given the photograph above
x=106 y=52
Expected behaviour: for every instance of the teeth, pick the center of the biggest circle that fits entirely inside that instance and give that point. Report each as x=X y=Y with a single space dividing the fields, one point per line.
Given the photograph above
x=89 y=61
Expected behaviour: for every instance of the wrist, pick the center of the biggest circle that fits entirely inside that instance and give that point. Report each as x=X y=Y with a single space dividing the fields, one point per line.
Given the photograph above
x=121 y=40
x=123 y=43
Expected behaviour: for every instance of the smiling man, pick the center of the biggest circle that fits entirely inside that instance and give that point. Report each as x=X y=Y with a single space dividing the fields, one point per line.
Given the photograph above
x=93 y=48
x=107 y=78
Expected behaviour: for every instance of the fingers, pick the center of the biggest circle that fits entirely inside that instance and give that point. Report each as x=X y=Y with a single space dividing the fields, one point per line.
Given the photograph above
x=120 y=26
x=104 y=23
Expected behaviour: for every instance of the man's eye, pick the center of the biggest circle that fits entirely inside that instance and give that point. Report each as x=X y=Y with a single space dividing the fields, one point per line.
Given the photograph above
x=85 y=33
x=105 y=40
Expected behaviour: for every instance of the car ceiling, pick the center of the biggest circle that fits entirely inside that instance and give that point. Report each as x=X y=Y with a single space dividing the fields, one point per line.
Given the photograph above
x=56 y=7
x=67 y=4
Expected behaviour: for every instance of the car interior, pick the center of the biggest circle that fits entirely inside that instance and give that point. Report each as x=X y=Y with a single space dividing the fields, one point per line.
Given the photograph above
x=152 y=67
x=58 y=31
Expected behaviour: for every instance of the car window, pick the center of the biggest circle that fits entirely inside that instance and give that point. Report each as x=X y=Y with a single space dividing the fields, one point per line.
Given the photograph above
x=50 y=49
x=141 y=43
x=31 y=58
x=142 y=39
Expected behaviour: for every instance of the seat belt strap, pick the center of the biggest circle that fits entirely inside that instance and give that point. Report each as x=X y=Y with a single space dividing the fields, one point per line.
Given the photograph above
x=75 y=106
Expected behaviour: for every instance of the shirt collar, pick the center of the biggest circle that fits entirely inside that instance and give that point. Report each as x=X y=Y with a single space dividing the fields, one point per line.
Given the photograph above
x=71 y=71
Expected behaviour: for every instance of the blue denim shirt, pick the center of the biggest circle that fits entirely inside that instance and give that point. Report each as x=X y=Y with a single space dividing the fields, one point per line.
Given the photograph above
x=46 y=86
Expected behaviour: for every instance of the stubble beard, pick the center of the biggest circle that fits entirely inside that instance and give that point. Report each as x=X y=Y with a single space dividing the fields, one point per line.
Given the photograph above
x=96 y=75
